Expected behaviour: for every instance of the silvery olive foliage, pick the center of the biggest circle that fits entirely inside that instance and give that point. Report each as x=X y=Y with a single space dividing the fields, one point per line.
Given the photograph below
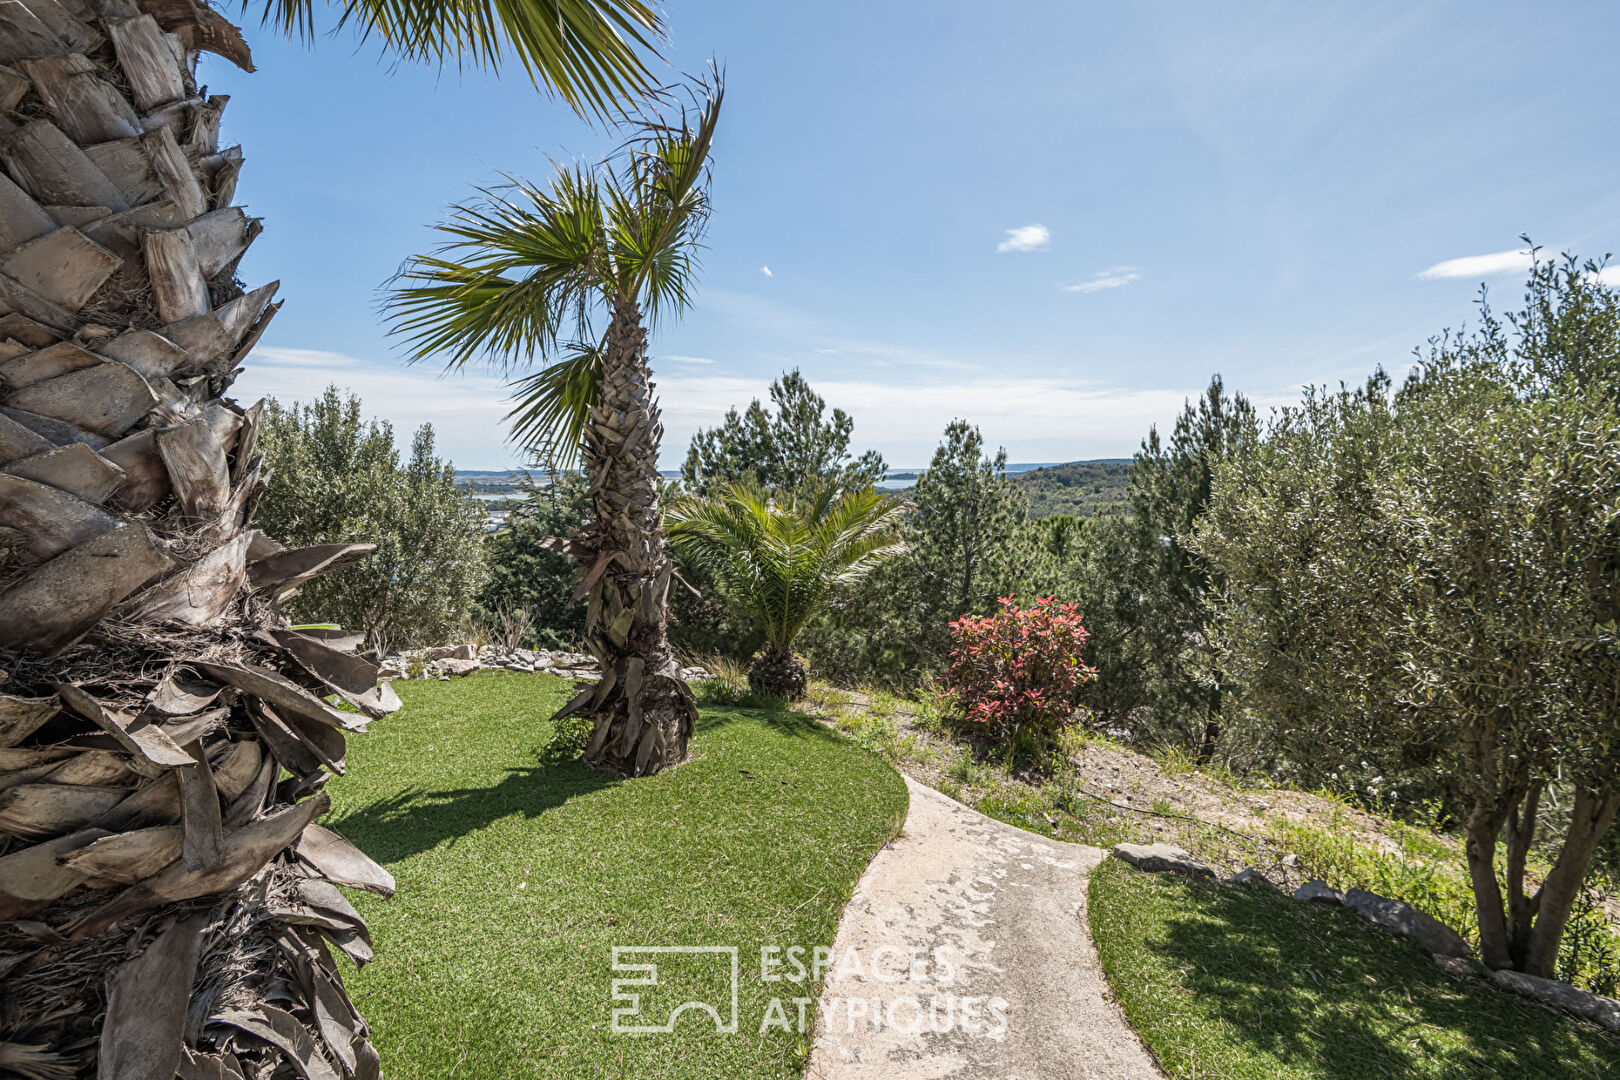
x=1428 y=581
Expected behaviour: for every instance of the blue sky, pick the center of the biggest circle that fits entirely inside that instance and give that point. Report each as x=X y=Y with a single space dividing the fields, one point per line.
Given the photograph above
x=1056 y=219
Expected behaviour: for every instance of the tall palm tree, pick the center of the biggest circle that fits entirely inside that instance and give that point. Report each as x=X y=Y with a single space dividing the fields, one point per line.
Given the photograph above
x=531 y=272
x=780 y=560
x=166 y=901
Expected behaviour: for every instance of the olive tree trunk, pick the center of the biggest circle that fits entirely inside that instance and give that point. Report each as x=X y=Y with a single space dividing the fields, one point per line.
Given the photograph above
x=642 y=713
x=166 y=899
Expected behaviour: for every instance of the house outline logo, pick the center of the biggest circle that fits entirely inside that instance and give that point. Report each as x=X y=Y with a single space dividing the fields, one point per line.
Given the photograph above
x=648 y=976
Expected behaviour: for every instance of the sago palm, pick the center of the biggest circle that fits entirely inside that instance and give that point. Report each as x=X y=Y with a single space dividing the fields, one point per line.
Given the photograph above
x=780 y=561
x=165 y=899
x=531 y=272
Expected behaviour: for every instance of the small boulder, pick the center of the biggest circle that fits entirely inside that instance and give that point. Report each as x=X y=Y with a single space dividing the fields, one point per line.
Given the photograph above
x=1291 y=861
x=525 y=656
x=1401 y=918
x=513 y=665
x=1596 y=1008
x=458 y=666
x=1251 y=878
x=1319 y=892
x=1455 y=966
x=1163 y=857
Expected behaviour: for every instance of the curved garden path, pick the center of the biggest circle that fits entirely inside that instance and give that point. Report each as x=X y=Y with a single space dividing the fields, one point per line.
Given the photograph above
x=964 y=955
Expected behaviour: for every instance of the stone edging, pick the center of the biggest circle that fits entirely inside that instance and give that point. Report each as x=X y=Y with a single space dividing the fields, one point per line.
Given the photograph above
x=444 y=661
x=1451 y=952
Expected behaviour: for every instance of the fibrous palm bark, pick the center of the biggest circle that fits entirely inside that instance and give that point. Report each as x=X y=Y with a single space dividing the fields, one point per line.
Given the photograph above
x=166 y=900
x=642 y=712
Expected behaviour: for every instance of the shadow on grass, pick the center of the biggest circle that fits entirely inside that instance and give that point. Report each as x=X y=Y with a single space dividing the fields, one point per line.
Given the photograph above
x=1322 y=989
x=783 y=722
x=417 y=820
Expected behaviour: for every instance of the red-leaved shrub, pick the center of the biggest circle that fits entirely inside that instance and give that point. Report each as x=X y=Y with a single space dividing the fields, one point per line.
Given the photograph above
x=1019 y=671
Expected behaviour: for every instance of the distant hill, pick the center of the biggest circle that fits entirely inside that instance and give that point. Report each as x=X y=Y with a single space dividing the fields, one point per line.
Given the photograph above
x=1080 y=488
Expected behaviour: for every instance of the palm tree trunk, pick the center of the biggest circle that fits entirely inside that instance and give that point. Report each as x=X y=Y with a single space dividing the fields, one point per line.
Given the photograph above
x=159 y=887
x=642 y=712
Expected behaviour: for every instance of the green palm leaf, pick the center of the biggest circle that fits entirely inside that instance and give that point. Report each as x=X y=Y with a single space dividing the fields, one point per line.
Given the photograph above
x=591 y=53
x=525 y=272
x=781 y=561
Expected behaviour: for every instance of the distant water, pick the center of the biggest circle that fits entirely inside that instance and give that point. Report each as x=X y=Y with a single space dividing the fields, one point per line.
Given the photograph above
x=896 y=479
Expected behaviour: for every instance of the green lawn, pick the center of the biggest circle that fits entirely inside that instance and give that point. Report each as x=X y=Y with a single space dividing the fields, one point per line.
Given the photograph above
x=1225 y=982
x=517 y=877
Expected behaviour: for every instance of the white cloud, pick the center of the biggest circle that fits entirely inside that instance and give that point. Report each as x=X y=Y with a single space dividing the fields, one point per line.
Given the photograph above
x=1036 y=419
x=766 y=271
x=1026 y=238
x=903 y=415
x=467 y=410
x=687 y=359
x=1105 y=279
x=1610 y=276
x=1478 y=266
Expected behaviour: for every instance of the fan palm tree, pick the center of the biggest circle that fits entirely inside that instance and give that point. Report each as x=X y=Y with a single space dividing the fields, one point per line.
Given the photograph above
x=780 y=561
x=165 y=897
x=531 y=271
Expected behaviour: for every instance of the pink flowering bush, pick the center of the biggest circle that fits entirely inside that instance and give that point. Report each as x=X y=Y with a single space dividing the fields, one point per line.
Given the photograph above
x=1018 y=672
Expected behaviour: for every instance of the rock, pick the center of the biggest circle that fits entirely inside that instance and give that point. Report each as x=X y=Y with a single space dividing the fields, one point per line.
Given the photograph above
x=1455 y=966
x=1319 y=892
x=513 y=665
x=1596 y=1008
x=458 y=665
x=1291 y=861
x=450 y=652
x=1252 y=878
x=1400 y=918
x=1160 y=857
x=525 y=656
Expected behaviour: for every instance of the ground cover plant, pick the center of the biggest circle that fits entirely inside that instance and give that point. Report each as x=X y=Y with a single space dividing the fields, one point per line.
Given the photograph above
x=518 y=873
x=1239 y=983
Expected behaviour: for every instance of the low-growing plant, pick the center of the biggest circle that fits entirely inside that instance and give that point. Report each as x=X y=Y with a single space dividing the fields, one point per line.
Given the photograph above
x=1589 y=955
x=568 y=740
x=1019 y=672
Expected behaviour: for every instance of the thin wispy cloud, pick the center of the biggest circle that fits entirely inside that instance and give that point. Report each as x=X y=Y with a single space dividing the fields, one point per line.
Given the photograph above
x=901 y=413
x=1478 y=266
x=766 y=271
x=1105 y=279
x=690 y=359
x=1026 y=238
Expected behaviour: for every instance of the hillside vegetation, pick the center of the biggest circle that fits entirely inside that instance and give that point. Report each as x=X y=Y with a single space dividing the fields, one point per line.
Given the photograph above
x=1081 y=488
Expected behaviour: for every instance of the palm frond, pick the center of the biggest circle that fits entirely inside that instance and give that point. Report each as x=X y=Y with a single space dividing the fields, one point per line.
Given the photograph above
x=659 y=211
x=593 y=54
x=781 y=561
x=552 y=405
x=517 y=268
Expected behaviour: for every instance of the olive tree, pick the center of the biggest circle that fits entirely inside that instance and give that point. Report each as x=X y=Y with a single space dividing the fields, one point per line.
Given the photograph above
x=1432 y=577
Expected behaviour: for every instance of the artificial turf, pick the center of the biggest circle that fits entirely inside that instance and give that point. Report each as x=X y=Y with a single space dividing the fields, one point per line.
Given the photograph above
x=1237 y=983
x=517 y=877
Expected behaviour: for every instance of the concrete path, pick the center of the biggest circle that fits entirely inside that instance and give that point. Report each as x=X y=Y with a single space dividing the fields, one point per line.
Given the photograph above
x=964 y=954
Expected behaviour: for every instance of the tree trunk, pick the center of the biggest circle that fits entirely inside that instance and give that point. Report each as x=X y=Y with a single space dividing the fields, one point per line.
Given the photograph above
x=159 y=887
x=642 y=713
x=1483 y=828
x=1211 y=738
x=1591 y=817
